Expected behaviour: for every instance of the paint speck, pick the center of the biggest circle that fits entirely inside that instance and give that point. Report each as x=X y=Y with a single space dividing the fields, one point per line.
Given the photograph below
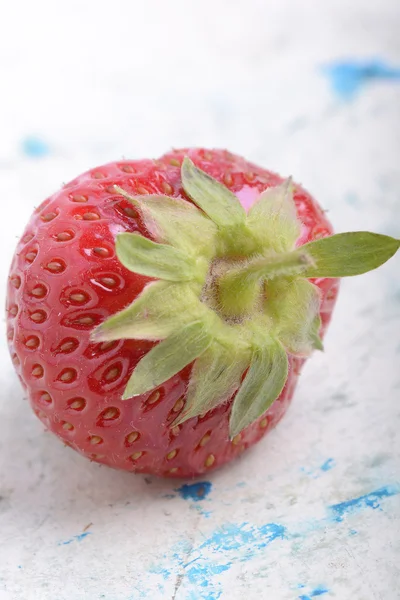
x=328 y=464
x=314 y=473
x=347 y=77
x=316 y=592
x=195 y=491
x=206 y=513
x=372 y=500
x=319 y=591
x=353 y=532
x=76 y=538
x=35 y=147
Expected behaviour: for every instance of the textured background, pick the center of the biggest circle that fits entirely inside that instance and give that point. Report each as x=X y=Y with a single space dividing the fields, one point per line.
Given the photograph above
x=307 y=88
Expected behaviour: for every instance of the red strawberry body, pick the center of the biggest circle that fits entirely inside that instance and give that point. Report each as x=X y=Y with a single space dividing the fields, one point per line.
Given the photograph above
x=65 y=279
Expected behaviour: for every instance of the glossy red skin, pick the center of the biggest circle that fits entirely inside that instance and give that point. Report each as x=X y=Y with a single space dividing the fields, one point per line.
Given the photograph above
x=98 y=424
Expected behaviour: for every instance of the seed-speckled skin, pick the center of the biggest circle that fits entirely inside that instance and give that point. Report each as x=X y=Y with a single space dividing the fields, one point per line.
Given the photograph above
x=65 y=278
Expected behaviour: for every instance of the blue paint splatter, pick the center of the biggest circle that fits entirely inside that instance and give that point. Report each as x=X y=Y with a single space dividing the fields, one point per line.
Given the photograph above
x=225 y=542
x=159 y=570
x=195 y=491
x=339 y=511
x=348 y=77
x=217 y=554
x=76 y=538
x=35 y=147
x=328 y=464
x=237 y=543
x=234 y=537
x=200 y=575
x=317 y=592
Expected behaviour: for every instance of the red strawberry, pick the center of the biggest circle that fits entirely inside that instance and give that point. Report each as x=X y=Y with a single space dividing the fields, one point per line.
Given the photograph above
x=227 y=304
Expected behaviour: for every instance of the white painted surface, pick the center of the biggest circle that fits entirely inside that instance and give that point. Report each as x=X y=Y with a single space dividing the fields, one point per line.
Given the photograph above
x=98 y=80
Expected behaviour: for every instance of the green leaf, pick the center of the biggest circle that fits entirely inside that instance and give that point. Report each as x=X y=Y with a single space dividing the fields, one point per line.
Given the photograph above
x=273 y=218
x=262 y=385
x=346 y=254
x=316 y=341
x=220 y=204
x=168 y=358
x=294 y=307
x=215 y=377
x=141 y=255
x=175 y=221
x=161 y=309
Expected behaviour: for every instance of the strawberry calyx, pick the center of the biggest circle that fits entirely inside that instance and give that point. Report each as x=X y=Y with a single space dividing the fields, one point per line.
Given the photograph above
x=231 y=293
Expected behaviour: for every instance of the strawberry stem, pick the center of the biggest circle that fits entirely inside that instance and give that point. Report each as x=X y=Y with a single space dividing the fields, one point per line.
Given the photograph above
x=239 y=287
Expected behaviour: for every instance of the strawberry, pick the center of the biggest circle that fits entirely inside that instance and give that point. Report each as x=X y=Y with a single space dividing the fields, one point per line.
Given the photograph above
x=159 y=312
